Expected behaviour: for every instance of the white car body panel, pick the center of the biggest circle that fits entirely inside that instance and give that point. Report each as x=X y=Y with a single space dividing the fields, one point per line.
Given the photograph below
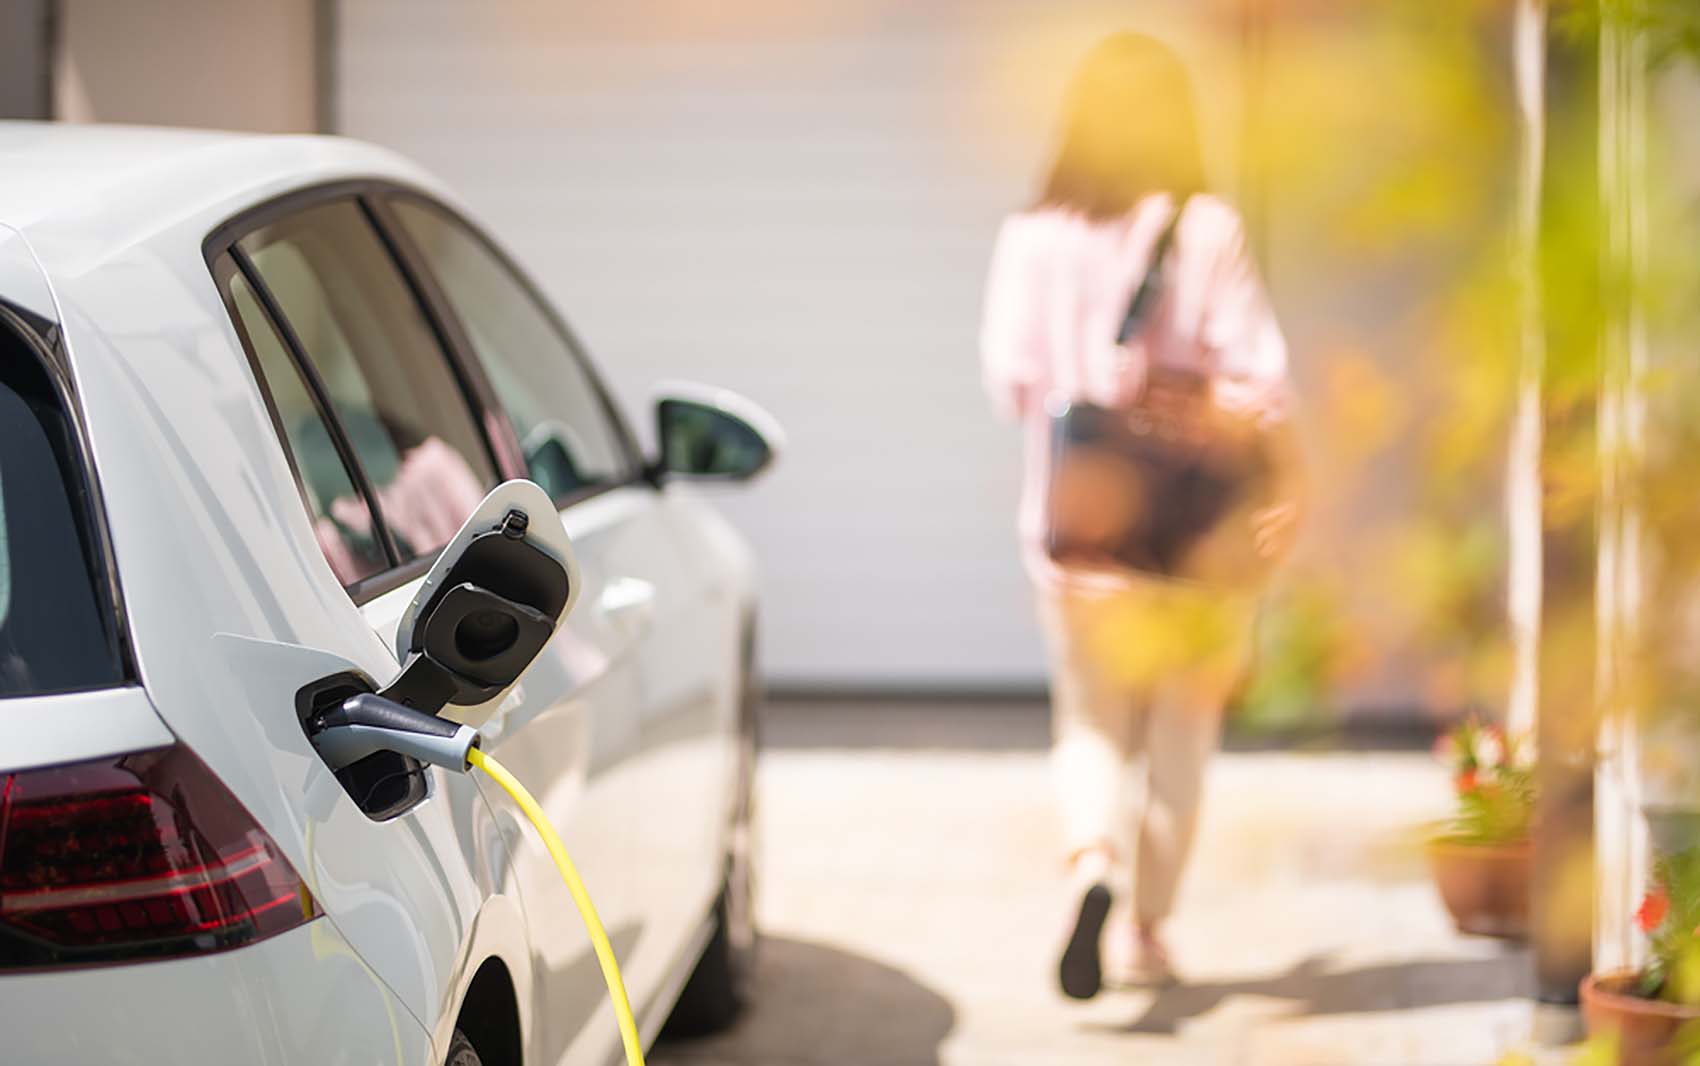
x=223 y=1008
x=44 y=730
x=623 y=728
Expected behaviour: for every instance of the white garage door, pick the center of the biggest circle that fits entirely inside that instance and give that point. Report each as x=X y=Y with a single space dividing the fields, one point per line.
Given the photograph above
x=795 y=199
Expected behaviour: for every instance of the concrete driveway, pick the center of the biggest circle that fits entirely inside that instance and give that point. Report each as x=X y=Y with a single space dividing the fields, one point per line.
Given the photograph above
x=912 y=902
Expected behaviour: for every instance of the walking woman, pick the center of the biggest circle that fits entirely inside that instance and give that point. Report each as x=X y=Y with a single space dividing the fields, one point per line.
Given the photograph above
x=1140 y=666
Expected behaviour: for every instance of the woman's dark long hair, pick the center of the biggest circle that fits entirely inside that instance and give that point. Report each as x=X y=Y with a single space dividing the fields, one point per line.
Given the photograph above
x=1129 y=129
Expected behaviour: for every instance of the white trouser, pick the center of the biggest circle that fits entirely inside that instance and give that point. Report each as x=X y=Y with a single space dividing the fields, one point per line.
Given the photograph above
x=1144 y=670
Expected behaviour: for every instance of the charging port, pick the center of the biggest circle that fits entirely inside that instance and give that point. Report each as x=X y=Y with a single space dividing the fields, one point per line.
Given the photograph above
x=384 y=784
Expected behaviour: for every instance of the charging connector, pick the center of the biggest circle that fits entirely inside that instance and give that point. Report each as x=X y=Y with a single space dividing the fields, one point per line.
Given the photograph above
x=365 y=724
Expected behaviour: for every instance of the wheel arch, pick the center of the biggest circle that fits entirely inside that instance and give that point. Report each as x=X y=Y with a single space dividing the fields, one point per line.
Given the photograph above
x=489 y=1015
x=493 y=992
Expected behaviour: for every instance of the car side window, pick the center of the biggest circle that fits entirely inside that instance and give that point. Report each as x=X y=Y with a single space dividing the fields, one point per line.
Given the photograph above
x=569 y=438
x=342 y=522
x=57 y=630
x=389 y=385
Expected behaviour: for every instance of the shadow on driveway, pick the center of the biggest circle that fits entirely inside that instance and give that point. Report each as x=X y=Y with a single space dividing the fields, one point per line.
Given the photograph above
x=815 y=1003
x=1317 y=990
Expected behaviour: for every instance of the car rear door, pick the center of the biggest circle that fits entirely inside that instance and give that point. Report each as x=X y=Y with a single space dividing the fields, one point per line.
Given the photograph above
x=624 y=727
x=388 y=460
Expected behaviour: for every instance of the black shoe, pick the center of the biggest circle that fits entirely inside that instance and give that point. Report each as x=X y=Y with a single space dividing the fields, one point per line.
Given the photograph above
x=1080 y=971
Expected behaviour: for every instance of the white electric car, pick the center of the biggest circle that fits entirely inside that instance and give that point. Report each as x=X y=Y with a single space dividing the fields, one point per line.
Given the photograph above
x=250 y=388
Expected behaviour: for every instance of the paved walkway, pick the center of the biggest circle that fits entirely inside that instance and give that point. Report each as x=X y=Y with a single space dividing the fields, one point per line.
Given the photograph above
x=911 y=901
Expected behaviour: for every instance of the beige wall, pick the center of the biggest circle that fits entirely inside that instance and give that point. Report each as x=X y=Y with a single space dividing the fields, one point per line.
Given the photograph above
x=231 y=64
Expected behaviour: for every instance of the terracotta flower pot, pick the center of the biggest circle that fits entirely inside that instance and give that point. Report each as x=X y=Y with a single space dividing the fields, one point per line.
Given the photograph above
x=1644 y=1027
x=1485 y=886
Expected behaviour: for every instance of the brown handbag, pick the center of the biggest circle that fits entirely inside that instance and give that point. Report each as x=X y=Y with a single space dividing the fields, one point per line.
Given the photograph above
x=1165 y=487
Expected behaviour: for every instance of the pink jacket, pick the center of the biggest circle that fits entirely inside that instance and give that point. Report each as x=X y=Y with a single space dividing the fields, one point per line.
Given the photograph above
x=1059 y=285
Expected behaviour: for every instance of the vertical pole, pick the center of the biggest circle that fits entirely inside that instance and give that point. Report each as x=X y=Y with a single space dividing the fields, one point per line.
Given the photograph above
x=1523 y=461
x=26 y=59
x=1562 y=879
x=324 y=65
x=1621 y=851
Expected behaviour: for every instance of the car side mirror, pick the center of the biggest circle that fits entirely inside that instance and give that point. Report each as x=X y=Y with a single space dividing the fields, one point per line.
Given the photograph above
x=489 y=605
x=713 y=434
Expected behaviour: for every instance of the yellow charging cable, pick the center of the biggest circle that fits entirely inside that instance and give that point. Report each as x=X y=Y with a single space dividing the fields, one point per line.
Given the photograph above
x=587 y=911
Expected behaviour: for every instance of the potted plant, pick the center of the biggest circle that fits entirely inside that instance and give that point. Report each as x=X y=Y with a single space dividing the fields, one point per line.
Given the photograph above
x=1652 y=1015
x=1480 y=859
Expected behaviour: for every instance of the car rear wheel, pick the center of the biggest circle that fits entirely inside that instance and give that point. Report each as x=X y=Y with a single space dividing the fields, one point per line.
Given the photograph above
x=461 y=1052
x=722 y=984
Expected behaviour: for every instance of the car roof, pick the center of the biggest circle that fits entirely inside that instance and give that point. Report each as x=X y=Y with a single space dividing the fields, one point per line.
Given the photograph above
x=109 y=187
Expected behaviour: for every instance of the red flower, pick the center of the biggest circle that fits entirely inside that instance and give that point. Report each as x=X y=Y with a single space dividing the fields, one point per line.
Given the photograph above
x=1651 y=914
x=1465 y=781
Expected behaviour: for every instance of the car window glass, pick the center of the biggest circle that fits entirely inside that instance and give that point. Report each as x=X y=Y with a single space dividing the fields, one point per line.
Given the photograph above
x=56 y=629
x=565 y=431
x=393 y=393
x=342 y=523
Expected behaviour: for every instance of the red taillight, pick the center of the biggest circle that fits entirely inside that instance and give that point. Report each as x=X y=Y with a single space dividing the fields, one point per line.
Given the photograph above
x=140 y=856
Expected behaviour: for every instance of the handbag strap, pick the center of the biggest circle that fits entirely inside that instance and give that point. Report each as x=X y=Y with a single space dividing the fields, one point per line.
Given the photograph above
x=1150 y=288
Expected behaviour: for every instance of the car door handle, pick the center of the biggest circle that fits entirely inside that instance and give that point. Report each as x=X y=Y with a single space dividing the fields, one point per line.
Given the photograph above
x=628 y=602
